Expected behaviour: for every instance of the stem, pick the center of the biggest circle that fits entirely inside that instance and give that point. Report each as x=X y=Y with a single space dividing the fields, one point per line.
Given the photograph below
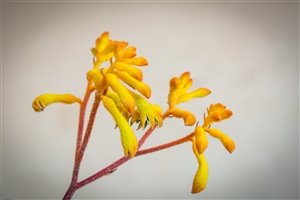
x=79 y=153
x=122 y=160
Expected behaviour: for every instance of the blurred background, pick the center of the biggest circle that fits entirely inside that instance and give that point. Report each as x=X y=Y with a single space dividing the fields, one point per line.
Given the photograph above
x=246 y=53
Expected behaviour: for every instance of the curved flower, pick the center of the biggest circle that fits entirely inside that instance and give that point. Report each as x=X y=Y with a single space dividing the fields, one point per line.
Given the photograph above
x=226 y=141
x=128 y=139
x=201 y=176
x=178 y=90
x=188 y=117
x=146 y=113
x=201 y=141
x=44 y=100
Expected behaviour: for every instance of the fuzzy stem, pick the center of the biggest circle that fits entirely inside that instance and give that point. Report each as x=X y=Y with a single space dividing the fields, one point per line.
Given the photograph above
x=79 y=154
x=122 y=160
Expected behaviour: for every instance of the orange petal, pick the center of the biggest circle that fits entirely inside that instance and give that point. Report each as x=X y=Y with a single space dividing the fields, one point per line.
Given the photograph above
x=139 y=61
x=226 y=114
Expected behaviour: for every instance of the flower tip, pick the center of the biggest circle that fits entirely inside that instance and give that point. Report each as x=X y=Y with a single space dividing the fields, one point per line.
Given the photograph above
x=230 y=146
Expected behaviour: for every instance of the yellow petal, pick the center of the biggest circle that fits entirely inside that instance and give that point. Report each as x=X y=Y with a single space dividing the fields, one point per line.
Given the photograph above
x=97 y=78
x=102 y=41
x=135 y=84
x=118 y=103
x=130 y=52
x=200 y=140
x=187 y=86
x=184 y=77
x=139 y=61
x=188 y=117
x=133 y=71
x=201 y=92
x=201 y=176
x=123 y=93
x=44 y=100
x=226 y=141
x=147 y=111
x=128 y=139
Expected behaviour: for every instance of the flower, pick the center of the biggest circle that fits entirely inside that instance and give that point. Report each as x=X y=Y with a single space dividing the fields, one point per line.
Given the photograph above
x=216 y=113
x=188 y=117
x=44 y=100
x=201 y=176
x=128 y=139
x=146 y=113
x=178 y=90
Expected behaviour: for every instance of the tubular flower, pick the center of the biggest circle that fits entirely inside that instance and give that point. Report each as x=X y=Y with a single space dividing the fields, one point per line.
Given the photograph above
x=216 y=113
x=104 y=49
x=226 y=141
x=178 y=90
x=44 y=100
x=201 y=176
x=128 y=139
x=188 y=117
x=146 y=113
x=201 y=141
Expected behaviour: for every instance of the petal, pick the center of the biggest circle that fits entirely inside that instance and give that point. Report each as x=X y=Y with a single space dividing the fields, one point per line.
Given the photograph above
x=118 y=103
x=128 y=139
x=201 y=176
x=130 y=52
x=147 y=112
x=135 y=84
x=102 y=41
x=44 y=100
x=201 y=92
x=200 y=140
x=218 y=107
x=139 y=61
x=133 y=71
x=226 y=141
x=188 y=117
x=226 y=114
x=123 y=93
x=184 y=78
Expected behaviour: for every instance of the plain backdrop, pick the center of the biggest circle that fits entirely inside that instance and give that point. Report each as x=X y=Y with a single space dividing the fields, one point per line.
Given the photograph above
x=246 y=53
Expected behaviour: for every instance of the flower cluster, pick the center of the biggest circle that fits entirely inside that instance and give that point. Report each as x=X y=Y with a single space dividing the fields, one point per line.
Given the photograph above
x=216 y=113
x=124 y=95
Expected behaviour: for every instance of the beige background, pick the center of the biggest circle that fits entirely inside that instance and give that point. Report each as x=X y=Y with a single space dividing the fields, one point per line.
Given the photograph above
x=246 y=53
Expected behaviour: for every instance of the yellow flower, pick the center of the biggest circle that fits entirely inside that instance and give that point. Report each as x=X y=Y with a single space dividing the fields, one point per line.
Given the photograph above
x=201 y=176
x=104 y=49
x=178 y=90
x=216 y=113
x=123 y=93
x=188 y=117
x=44 y=100
x=128 y=139
x=226 y=141
x=146 y=112
x=201 y=141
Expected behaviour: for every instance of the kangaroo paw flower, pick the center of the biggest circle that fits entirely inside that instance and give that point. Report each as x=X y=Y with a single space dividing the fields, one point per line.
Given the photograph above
x=44 y=100
x=128 y=139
